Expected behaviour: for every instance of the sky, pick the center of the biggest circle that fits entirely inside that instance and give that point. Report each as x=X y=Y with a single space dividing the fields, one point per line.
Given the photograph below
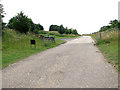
x=86 y=16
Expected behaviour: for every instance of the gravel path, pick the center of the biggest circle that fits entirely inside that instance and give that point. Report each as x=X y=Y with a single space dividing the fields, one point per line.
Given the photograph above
x=75 y=64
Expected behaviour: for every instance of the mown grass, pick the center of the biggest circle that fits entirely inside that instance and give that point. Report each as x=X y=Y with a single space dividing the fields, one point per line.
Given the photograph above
x=108 y=44
x=16 y=46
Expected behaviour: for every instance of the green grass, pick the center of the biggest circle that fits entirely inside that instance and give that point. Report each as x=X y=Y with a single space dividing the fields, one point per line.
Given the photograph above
x=67 y=36
x=16 y=46
x=108 y=45
x=0 y=59
x=57 y=35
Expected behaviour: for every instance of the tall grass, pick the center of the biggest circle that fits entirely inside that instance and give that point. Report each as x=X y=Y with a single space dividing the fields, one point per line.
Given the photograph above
x=16 y=46
x=108 y=44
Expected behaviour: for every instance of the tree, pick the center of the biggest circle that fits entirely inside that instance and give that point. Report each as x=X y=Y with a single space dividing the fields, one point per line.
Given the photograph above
x=75 y=32
x=3 y=25
x=10 y=23
x=53 y=28
x=2 y=14
x=39 y=27
x=70 y=31
x=20 y=23
x=1 y=11
x=32 y=25
x=66 y=31
x=23 y=24
x=61 y=29
x=119 y=25
x=114 y=23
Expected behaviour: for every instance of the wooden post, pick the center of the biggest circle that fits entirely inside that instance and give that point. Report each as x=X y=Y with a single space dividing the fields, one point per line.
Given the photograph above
x=44 y=41
x=54 y=37
x=98 y=36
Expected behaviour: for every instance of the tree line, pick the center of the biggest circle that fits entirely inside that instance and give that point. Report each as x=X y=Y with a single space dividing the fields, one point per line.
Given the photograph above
x=113 y=24
x=23 y=24
x=62 y=30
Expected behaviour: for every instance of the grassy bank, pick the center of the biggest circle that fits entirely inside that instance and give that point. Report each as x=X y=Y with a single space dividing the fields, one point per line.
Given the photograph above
x=16 y=46
x=108 y=44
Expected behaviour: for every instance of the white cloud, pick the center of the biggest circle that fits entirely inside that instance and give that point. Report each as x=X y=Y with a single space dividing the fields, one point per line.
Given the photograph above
x=84 y=15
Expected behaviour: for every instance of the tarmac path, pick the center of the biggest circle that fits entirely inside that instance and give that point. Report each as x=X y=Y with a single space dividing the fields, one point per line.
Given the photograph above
x=75 y=64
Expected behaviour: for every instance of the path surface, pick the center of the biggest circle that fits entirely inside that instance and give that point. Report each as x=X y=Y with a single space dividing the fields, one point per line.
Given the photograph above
x=75 y=64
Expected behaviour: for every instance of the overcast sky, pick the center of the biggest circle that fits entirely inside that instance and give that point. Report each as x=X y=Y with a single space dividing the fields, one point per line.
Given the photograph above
x=84 y=15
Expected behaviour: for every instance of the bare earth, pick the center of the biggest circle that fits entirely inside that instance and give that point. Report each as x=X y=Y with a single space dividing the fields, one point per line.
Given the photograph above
x=75 y=64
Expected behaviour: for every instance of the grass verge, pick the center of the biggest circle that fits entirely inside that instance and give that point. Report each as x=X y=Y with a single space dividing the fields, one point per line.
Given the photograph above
x=16 y=46
x=108 y=44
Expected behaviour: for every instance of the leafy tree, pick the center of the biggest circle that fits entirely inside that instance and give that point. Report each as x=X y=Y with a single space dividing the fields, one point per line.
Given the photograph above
x=54 y=28
x=75 y=32
x=104 y=28
x=2 y=14
x=61 y=29
x=50 y=28
x=10 y=23
x=70 y=31
x=66 y=31
x=39 y=27
x=21 y=23
x=1 y=11
x=119 y=25
x=3 y=25
x=32 y=25
x=114 y=23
